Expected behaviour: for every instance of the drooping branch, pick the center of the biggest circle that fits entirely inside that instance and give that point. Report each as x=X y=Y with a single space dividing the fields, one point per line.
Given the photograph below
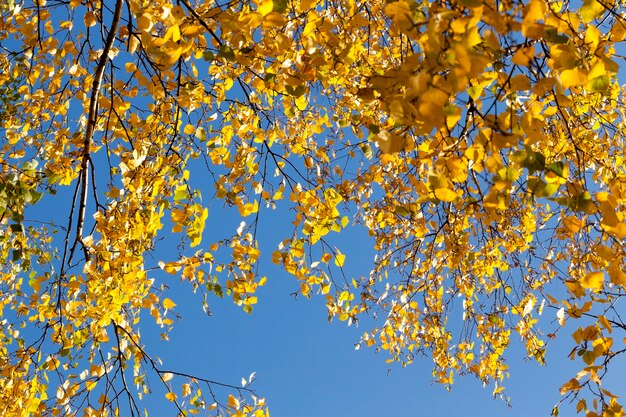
x=91 y=120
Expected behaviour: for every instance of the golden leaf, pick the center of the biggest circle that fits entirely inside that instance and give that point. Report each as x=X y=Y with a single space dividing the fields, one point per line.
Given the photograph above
x=389 y=142
x=571 y=385
x=593 y=281
x=339 y=258
x=265 y=7
x=168 y=304
x=446 y=194
x=233 y=402
x=573 y=77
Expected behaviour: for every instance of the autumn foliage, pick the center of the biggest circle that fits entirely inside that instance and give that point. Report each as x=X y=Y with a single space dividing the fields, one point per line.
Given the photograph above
x=479 y=143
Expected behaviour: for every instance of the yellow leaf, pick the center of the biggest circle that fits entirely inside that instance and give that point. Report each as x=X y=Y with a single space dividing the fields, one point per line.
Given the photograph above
x=309 y=27
x=339 y=258
x=605 y=252
x=175 y=33
x=248 y=208
x=605 y=323
x=534 y=11
x=170 y=267
x=168 y=375
x=593 y=280
x=170 y=396
x=602 y=345
x=573 y=77
x=617 y=276
x=591 y=9
x=389 y=142
x=457 y=168
x=400 y=13
x=144 y=22
x=97 y=370
x=520 y=82
x=619 y=230
x=167 y=303
x=573 y=224
x=524 y=56
x=173 y=55
x=233 y=402
x=301 y=102
x=446 y=194
x=592 y=37
x=575 y=288
x=453 y=115
x=90 y=19
x=571 y=385
x=265 y=7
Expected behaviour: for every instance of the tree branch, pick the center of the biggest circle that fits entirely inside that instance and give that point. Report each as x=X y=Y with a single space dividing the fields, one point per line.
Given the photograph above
x=91 y=121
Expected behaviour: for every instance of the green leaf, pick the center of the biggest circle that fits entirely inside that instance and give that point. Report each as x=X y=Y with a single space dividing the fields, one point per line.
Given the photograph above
x=367 y=150
x=599 y=84
x=535 y=161
x=519 y=157
x=539 y=188
x=226 y=51
x=279 y=6
x=557 y=168
x=591 y=9
x=552 y=35
x=295 y=92
x=374 y=129
x=402 y=211
x=30 y=165
x=17 y=217
x=31 y=196
x=583 y=203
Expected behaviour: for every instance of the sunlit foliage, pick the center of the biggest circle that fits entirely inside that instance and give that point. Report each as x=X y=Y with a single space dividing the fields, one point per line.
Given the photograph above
x=479 y=143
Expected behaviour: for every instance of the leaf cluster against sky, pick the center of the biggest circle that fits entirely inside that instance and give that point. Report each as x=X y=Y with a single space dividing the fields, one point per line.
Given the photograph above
x=478 y=143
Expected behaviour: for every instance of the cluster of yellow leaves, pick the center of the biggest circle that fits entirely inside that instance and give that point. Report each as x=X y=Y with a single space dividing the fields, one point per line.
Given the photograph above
x=480 y=144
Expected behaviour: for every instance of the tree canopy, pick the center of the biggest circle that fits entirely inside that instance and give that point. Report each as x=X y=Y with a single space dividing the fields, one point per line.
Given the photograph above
x=479 y=143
